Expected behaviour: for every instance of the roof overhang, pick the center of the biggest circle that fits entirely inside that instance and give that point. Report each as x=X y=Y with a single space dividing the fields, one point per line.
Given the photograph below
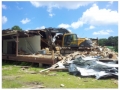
x=13 y=33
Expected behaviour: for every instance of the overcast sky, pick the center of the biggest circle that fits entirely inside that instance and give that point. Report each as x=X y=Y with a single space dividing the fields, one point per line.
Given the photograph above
x=86 y=19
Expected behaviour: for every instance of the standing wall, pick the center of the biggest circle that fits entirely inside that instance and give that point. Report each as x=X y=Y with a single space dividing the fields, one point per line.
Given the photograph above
x=29 y=44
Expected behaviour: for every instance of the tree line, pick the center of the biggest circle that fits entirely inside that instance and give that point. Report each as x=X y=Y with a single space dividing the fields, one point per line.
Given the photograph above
x=16 y=28
x=111 y=41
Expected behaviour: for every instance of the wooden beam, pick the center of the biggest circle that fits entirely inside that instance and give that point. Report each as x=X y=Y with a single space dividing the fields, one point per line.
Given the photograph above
x=17 y=44
x=9 y=34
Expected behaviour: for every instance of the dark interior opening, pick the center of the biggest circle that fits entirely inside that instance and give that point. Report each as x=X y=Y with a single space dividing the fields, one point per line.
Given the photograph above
x=11 y=47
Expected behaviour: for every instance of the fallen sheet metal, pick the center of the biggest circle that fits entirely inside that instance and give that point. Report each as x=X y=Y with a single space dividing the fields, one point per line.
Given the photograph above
x=92 y=67
x=87 y=66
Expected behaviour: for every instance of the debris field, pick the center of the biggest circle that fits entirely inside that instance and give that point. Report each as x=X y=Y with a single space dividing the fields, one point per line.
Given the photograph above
x=102 y=62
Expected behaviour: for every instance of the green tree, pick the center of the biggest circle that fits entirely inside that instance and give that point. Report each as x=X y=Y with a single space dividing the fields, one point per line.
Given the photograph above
x=116 y=40
x=116 y=48
x=102 y=42
x=16 y=28
x=111 y=41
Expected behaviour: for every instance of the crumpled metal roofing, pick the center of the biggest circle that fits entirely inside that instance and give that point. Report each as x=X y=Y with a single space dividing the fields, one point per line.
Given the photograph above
x=92 y=67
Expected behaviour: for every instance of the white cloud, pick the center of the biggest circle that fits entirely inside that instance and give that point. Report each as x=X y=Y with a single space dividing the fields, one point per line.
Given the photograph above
x=91 y=27
x=109 y=31
x=17 y=2
x=4 y=6
x=24 y=21
x=77 y=24
x=96 y=16
x=59 y=4
x=19 y=8
x=35 y=3
x=73 y=25
x=102 y=32
x=42 y=27
x=64 y=25
x=51 y=15
x=4 y=19
x=69 y=30
x=67 y=26
x=111 y=2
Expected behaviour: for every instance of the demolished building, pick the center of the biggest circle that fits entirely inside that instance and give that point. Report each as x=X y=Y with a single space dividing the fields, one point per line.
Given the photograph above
x=24 y=45
x=32 y=46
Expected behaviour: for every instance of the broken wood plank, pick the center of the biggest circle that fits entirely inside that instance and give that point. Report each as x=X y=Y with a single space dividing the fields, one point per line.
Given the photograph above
x=58 y=69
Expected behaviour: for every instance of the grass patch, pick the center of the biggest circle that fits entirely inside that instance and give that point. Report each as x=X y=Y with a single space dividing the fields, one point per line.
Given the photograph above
x=111 y=47
x=14 y=83
x=13 y=76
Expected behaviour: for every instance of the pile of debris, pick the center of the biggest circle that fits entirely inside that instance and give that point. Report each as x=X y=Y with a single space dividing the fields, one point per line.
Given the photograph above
x=88 y=63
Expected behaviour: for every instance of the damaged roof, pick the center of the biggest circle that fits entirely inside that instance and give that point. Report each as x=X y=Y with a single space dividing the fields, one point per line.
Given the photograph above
x=24 y=33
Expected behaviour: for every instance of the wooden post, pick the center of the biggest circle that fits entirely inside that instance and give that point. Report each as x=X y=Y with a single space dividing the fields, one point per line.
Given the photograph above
x=17 y=44
x=53 y=56
x=40 y=65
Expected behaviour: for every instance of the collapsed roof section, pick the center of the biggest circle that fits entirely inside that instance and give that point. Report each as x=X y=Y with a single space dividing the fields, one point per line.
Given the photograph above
x=6 y=32
x=24 y=33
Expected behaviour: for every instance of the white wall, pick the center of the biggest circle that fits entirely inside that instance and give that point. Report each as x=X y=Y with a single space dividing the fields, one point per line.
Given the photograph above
x=34 y=41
